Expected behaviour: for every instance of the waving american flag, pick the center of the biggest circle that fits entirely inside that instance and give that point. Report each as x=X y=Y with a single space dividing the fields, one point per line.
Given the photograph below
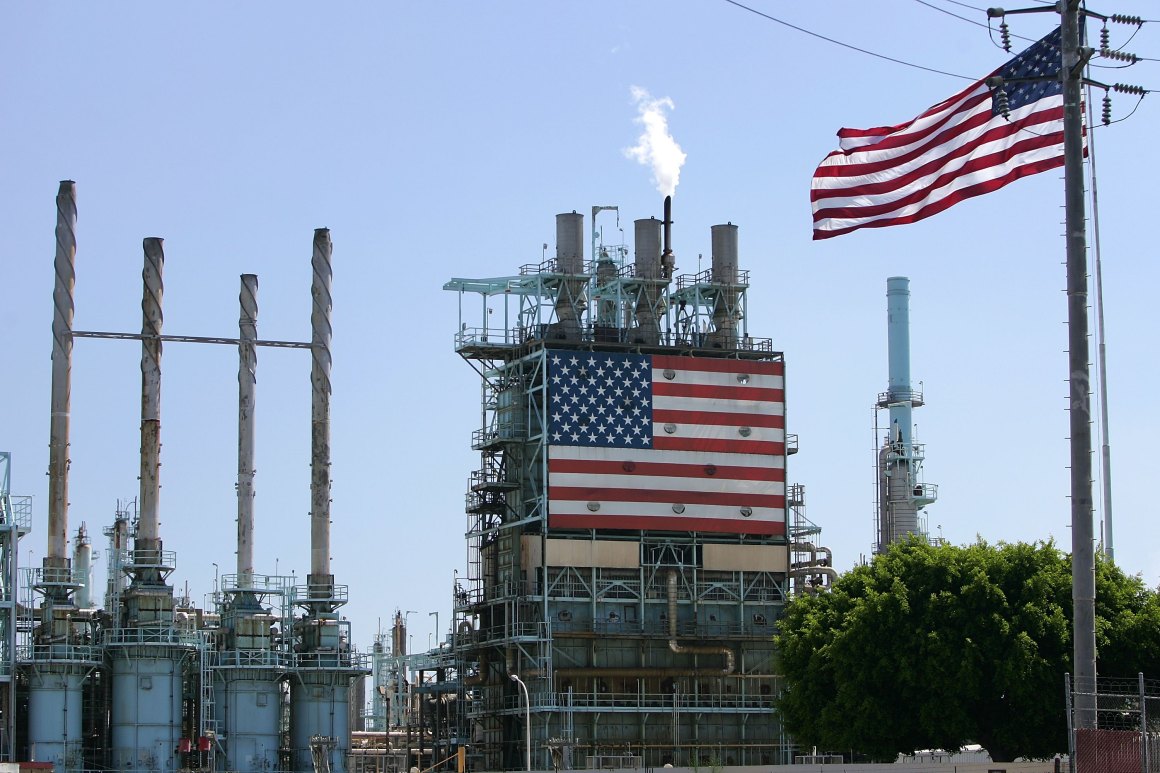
x=664 y=442
x=962 y=147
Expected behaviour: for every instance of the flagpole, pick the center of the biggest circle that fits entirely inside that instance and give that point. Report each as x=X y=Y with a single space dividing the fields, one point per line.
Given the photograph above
x=1082 y=543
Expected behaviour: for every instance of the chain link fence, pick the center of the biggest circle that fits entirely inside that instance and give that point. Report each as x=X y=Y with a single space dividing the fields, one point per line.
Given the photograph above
x=1114 y=725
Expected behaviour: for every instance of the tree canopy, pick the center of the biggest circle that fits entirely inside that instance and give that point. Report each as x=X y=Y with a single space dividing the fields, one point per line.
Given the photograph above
x=937 y=646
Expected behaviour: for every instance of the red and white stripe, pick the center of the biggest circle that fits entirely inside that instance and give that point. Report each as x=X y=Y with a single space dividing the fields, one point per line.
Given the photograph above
x=718 y=452
x=955 y=150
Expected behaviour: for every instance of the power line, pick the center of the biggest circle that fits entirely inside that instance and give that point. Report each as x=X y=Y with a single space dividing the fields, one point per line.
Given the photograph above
x=964 y=18
x=846 y=45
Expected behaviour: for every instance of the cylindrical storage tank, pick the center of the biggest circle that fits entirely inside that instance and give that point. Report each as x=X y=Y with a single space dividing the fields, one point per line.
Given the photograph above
x=725 y=310
x=648 y=267
x=55 y=730
x=145 y=719
x=249 y=708
x=319 y=705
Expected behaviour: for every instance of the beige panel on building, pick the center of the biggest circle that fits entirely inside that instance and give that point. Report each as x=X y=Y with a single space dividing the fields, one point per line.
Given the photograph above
x=745 y=558
x=580 y=552
x=532 y=556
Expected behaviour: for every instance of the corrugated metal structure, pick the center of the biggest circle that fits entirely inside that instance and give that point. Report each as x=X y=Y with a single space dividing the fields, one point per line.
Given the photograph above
x=629 y=551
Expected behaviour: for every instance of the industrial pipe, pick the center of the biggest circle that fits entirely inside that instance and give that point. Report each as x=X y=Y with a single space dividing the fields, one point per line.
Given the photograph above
x=730 y=658
x=62 y=343
x=803 y=546
x=668 y=260
x=321 y=581
x=814 y=571
x=148 y=545
x=247 y=380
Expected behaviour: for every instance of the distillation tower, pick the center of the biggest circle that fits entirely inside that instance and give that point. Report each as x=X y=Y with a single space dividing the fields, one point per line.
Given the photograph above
x=627 y=526
x=901 y=492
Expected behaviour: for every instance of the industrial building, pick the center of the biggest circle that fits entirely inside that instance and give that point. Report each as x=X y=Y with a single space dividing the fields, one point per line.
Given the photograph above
x=632 y=537
x=147 y=681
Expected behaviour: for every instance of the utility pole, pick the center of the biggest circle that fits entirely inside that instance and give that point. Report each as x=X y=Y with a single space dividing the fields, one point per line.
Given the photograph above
x=1074 y=59
x=1083 y=577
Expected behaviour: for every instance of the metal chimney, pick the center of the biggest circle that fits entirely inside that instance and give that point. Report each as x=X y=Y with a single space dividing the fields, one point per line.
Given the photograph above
x=901 y=395
x=648 y=271
x=725 y=310
x=56 y=560
x=570 y=261
x=320 y=581
x=147 y=548
x=247 y=380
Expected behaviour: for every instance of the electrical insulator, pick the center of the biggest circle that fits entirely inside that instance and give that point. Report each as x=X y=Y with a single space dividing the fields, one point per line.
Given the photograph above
x=1002 y=104
x=1120 y=18
x=1104 y=38
x=1005 y=35
x=1119 y=56
x=1127 y=88
x=1107 y=109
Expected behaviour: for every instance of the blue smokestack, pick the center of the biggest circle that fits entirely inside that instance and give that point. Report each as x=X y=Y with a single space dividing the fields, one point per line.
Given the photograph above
x=901 y=395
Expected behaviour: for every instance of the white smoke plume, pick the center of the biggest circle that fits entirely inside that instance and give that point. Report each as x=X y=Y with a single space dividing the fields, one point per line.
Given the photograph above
x=656 y=147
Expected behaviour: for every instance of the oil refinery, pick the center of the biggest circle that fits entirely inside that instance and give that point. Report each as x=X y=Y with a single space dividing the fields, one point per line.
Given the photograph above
x=632 y=539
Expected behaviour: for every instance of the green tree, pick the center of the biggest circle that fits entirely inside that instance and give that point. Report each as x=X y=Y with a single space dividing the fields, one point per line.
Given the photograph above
x=939 y=646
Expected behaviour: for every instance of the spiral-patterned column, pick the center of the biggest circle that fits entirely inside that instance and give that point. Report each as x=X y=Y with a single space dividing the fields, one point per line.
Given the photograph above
x=320 y=291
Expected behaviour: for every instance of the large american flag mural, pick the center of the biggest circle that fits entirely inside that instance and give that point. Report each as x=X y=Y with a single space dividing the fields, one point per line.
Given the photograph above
x=639 y=441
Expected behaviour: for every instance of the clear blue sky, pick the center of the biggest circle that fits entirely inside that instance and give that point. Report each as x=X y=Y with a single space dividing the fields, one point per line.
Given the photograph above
x=439 y=140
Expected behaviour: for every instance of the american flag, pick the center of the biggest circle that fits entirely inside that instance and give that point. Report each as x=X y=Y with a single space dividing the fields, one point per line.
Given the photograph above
x=673 y=443
x=961 y=147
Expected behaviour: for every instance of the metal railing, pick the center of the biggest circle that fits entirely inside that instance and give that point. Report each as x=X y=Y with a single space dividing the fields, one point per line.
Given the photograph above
x=73 y=653
x=151 y=635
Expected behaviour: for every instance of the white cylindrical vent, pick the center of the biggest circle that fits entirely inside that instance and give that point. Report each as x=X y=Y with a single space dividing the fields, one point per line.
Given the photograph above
x=83 y=569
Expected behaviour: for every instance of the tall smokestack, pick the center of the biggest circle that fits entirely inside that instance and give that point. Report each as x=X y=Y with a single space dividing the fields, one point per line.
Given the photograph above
x=147 y=547
x=56 y=559
x=898 y=353
x=320 y=580
x=247 y=381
